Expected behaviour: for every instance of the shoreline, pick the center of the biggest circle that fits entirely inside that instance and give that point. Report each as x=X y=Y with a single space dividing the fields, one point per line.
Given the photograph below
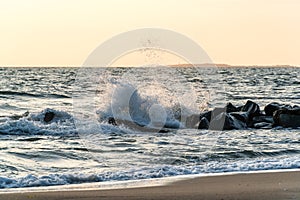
x=170 y=65
x=139 y=183
x=273 y=184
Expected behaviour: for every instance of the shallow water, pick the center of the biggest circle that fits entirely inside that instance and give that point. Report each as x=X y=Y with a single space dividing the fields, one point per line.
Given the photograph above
x=35 y=153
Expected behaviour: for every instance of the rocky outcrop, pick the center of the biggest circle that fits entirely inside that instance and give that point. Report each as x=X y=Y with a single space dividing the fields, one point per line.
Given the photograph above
x=272 y=107
x=250 y=116
x=49 y=116
x=203 y=124
x=226 y=121
x=288 y=118
x=251 y=108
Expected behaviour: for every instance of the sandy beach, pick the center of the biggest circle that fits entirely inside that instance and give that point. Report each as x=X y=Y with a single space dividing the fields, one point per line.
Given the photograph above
x=274 y=185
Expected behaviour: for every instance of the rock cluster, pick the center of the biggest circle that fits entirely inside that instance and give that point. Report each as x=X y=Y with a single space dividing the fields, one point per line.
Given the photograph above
x=247 y=116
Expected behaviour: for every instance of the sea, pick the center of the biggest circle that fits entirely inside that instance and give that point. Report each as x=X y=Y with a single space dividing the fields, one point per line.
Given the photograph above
x=79 y=145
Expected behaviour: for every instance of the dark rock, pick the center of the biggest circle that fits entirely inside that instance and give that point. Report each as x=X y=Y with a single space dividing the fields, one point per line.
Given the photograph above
x=203 y=124
x=112 y=121
x=17 y=117
x=206 y=114
x=287 y=118
x=231 y=108
x=137 y=127
x=239 y=108
x=272 y=107
x=263 y=125
x=242 y=116
x=25 y=114
x=49 y=116
x=251 y=108
x=262 y=118
x=193 y=120
x=225 y=121
x=164 y=131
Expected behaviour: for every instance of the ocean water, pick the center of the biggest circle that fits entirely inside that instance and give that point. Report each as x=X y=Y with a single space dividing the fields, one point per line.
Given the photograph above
x=35 y=153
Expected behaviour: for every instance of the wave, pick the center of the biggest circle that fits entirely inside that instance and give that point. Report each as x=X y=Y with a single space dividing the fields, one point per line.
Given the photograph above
x=251 y=154
x=148 y=173
x=236 y=97
x=138 y=108
x=144 y=107
x=63 y=123
x=34 y=124
x=13 y=93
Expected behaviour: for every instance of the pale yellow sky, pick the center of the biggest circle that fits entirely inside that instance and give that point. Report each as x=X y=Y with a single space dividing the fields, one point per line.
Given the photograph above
x=64 y=32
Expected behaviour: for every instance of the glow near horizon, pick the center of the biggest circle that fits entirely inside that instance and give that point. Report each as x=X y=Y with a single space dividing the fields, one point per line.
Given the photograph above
x=63 y=33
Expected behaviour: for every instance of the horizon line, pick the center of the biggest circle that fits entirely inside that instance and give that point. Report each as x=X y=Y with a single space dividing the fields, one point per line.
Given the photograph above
x=222 y=65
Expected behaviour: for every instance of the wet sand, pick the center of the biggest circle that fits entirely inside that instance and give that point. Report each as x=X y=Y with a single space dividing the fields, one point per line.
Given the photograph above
x=274 y=185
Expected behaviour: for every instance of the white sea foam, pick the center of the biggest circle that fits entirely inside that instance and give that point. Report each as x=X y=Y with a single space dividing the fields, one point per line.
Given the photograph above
x=149 y=173
x=143 y=107
x=34 y=124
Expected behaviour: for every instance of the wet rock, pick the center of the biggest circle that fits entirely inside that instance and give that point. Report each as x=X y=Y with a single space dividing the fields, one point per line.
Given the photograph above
x=164 y=131
x=17 y=117
x=231 y=108
x=206 y=115
x=49 y=116
x=287 y=118
x=263 y=118
x=239 y=108
x=242 y=116
x=251 y=108
x=226 y=121
x=263 y=125
x=272 y=107
x=203 y=124
x=112 y=121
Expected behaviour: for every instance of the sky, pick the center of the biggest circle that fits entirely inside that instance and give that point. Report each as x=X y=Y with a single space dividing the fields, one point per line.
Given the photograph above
x=65 y=32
